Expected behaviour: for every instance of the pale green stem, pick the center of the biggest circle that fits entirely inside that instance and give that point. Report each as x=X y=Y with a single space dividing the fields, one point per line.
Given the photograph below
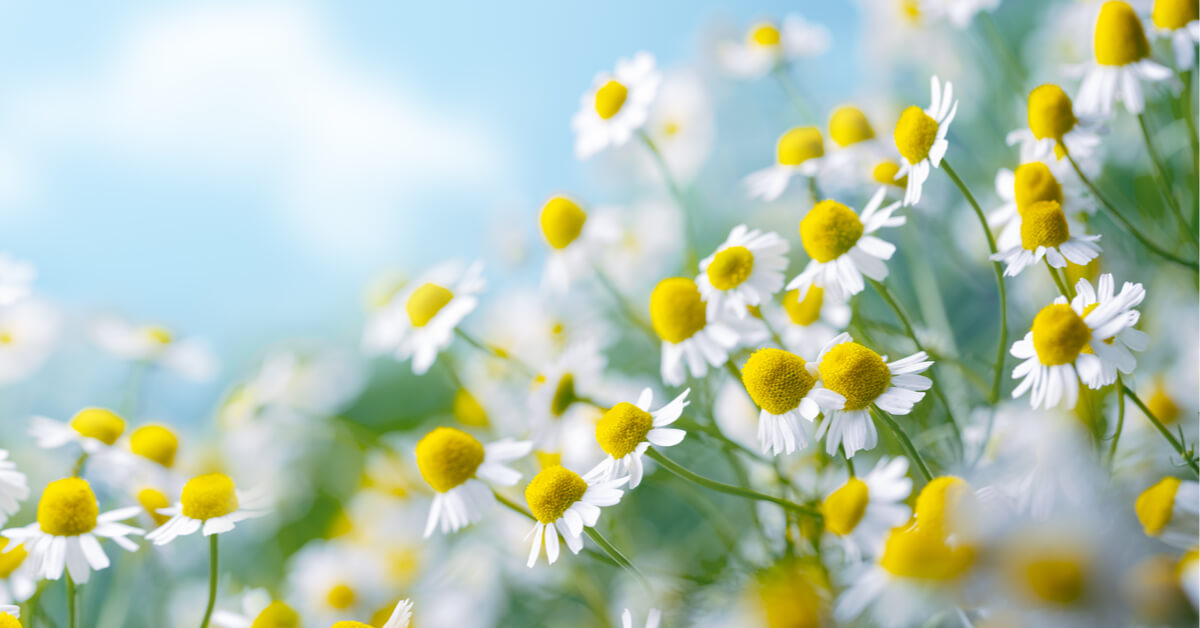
x=904 y=441
x=212 y=579
x=728 y=489
x=1164 y=182
x=1188 y=456
x=688 y=220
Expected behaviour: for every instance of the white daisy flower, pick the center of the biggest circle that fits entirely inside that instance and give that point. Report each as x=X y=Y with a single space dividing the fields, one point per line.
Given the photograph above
x=574 y=376
x=1121 y=62
x=14 y=487
x=865 y=378
x=681 y=125
x=1052 y=120
x=862 y=510
x=811 y=320
x=842 y=248
x=421 y=319
x=18 y=576
x=190 y=358
x=564 y=503
x=921 y=138
x=689 y=336
x=210 y=503
x=652 y=618
x=617 y=105
x=958 y=12
x=1030 y=183
x=855 y=152
x=575 y=240
x=16 y=279
x=627 y=430
x=746 y=269
x=767 y=45
x=29 y=330
x=1170 y=510
x=1087 y=340
x=799 y=152
x=93 y=429
x=67 y=532
x=1045 y=232
x=258 y=609
x=1178 y=20
x=459 y=468
x=335 y=579
x=786 y=389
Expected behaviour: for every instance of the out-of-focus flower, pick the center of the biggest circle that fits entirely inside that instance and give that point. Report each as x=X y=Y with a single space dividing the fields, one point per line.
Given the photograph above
x=1045 y=232
x=787 y=390
x=29 y=329
x=681 y=125
x=1170 y=510
x=767 y=45
x=746 y=269
x=93 y=429
x=565 y=384
x=292 y=386
x=1052 y=121
x=958 y=12
x=627 y=430
x=811 y=320
x=562 y=500
x=617 y=105
x=856 y=153
x=1189 y=576
x=648 y=245
x=799 y=152
x=1121 y=62
x=689 y=336
x=156 y=345
x=210 y=503
x=18 y=577
x=332 y=579
x=258 y=609
x=861 y=511
x=1178 y=20
x=1032 y=182
x=921 y=138
x=652 y=618
x=575 y=240
x=457 y=466
x=14 y=487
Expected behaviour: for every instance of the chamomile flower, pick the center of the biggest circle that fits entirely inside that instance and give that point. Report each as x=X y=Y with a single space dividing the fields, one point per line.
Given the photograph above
x=258 y=609
x=93 y=429
x=799 y=152
x=958 y=12
x=400 y=617
x=1170 y=510
x=689 y=335
x=652 y=618
x=865 y=378
x=210 y=503
x=575 y=240
x=855 y=151
x=420 y=320
x=153 y=344
x=564 y=503
x=921 y=138
x=862 y=510
x=1178 y=20
x=767 y=45
x=459 y=468
x=1121 y=62
x=1030 y=183
x=1053 y=125
x=627 y=430
x=617 y=105
x=1078 y=341
x=10 y=616
x=18 y=577
x=333 y=579
x=29 y=330
x=812 y=319
x=746 y=269
x=682 y=126
x=14 y=487
x=842 y=248
x=559 y=391
x=67 y=531
x=1045 y=232
x=786 y=389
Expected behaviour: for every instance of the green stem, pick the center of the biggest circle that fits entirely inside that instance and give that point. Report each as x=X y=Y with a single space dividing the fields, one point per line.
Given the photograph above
x=1062 y=289
x=728 y=489
x=212 y=580
x=782 y=73
x=849 y=462
x=1183 y=452
x=690 y=258
x=71 y=601
x=80 y=463
x=904 y=441
x=1164 y=182
x=613 y=552
x=1186 y=105
x=495 y=352
x=1112 y=447
x=624 y=304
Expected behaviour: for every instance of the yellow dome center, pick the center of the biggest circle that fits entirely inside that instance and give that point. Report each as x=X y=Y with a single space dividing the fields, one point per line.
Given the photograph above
x=677 y=310
x=777 y=380
x=277 y=615
x=849 y=125
x=1174 y=14
x=844 y=508
x=100 y=424
x=11 y=559
x=68 y=508
x=447 y=457
x=8 y=621
x=804 y=311
x=885 y=174
x=764 y=34
x=208 y=496
x=155 y=442
x=552 y=491
x=915 y=134
x=730 y=267
x=794 y=594
x=1155 y=505
x=856 y=373
x=914 y=553
x=425 y=302
x=340 y=596
x=799 y=145
x=829 y=230
x=1119 y=37
x=622 y=429
x=942 y=503
x=1043 y=224
x=1059 y=334
x=562 y=221
x=1033 y=183
x=468 y=410
x=1051 y=114
x=610 y=98
x=152 y=500
x=1056 y=577
x=160 y=335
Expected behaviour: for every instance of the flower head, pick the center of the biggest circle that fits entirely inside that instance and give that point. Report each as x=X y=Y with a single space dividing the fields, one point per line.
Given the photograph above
x=842 y=246
x=563 y=502
x=627 y=430
x=616 y=106
x=920 y=137
x=786 y=389
x=459 y=468
x=209 y=502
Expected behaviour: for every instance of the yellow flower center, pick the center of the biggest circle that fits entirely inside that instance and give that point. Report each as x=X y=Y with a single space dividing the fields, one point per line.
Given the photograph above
x=340 y=596
x=208 y=496
x=1155 y=504
x=915 y=134
x=447 y=457
x=564 y=395
x=856 y=373
x=1119 y=38
x=1052 y=576
x=350 y=624
x=425 y=302
x=152 y=500
x=11 y=559
x=942 y=503
x=562 y=221
x=1163 y=406
x=677 y=311
x=1050 y=112
x=68 y=508
x=804 y=311
x=155 y=442
x=467 y=409
x=777 y=380
x=829 y=230
x=1059 y=334
x=552 y=491
x=799 y=145
x=1174 y=14
x=670 y=128
x=277 y=615
x=8 y=621
x=911 y=10
x=849 y=125
x=622 y=429
x=764 y=34
x=610 y=98
x=794 y=594
x=1043 y=224
x=161 y=335
x=730 y=267
x=844 y=508
x=1033 y=183
x=6 y=337
x=885 y=173
x=100 y=424
x=915 y=553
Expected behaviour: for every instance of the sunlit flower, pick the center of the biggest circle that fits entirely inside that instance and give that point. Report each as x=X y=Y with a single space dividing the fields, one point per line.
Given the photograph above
x=746 y=269
x=258 y=610
x=921 y=138
x=421 y=319
x=564 y=503
x=767 y=45
x=812 y=319
x=842 y=248
x=799 y=152
x=1170 y=510
x=210 y=503
x=617 y=105
x=1031 y=183
x=862 y=510
x=93 y=429
x=1121 y=62
x=787 y=390
x=1045 y=232
x=1178 y=20
x=575 y=239
x=689 y=335
x=1051 y=118
x=459 y=468
x=958 y=12
x=155 y=345
x=29 y=330
x=652 y=618
x=627 y=430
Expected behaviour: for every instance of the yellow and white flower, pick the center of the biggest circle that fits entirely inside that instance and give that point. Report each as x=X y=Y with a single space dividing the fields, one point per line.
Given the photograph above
x=855 y=151
x=562 y=387
x=617 y=105
x=842 y=248
x=190 y=358
x=746 y=269
x=767 y=45
x=1052 y=120
x=689 y=335
x=575 y=240
x=564 y=503
x=627 y=430
x=459 y=468
x=799 y=152
x=420 y=320
x=811 y=320
x=258 y=609
x=958 y=12
x=1170 y=510
x=1045 y=232
x=209 y=503
x=787 y=389
x=682 y=126
x=18 y=577
x=29 y=330
x=1120 y=63
x=1030 y=183
x=862 y=510
x=14 y=487
x=93 y=429
x=652 y=618
x=334 y=579
x=1178 y=20
x=920 y=137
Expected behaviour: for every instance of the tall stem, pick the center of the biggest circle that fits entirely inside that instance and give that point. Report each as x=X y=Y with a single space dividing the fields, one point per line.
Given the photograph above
x=729 y=489
x=1112 y=448
x=783 y=74
x=212 y=580
x=1188 y=456
x=664 y=171
x=495 y=352
x=1164 y=182
x=904 y=441
x=72 y=596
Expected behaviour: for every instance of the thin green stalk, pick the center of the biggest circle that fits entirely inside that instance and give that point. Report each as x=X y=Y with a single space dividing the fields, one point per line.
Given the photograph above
x=775 y=337
x=728 y=489
x=1000 y=47
x=689 y=226
x=783 y=74
x=1186 y=105
x=1002 y=346
x=624 y=304
x=1112 y=447
x=613 y=553
x=904 y=441
x=80 y=463
x=1188 y=456
x=71 y=602
x=495 y=352
x=849 y=462
x=212 y=579
x=1164 y=182
x=1062 y=289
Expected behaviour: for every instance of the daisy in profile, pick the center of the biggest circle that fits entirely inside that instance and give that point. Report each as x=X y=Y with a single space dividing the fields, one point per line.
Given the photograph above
x=67 y=532
x=1072 y=342
x=842 y=248
x=861 y=511
x=745 y=270
x=1121 y=62
x=29 y=330
x=258 y=609
x=210 y=503
x=787 y=390
x=93 y=429
x=865 y=378
x=564 y=503
x=767 y=45
x=921 y=138
x=812 y=319
x=420 y=320
x=155 y=345
x=627 y=430
x=1053 y=125
x=1178 y=20
x=575 y=240
x=855 y=151
x=652 y=618
x=459 y=468
x=799 y=152
x=1045 y=233
x=14 y=487
x=689 y=335
x=617 y=105
x=1030 y=183
x=1170 y=510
